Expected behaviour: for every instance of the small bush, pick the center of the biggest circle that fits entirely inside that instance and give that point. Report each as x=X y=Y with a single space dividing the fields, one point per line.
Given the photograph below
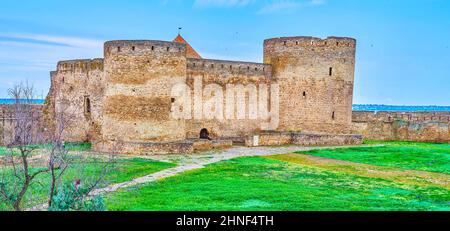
x=72 y=197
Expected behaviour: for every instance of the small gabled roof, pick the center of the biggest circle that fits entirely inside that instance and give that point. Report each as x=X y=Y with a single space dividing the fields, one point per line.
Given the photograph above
x=190 y=52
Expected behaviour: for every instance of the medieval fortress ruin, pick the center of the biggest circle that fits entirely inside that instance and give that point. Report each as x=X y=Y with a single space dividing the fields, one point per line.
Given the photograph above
x=127 y=98
x=163 y=97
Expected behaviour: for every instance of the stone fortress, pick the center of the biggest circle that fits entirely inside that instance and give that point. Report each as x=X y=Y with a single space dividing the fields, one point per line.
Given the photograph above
x=123 y=101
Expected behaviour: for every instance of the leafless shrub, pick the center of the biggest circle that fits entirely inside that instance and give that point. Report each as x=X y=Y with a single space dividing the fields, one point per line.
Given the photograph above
x=17 y=175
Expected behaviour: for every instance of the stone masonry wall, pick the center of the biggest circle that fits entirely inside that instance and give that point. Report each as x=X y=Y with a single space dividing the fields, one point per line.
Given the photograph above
x=77 y=93
x=410 y=126
x=316 y=82
x=300 y=138
x=7 y=124
x=137 y=103
x=225 y=73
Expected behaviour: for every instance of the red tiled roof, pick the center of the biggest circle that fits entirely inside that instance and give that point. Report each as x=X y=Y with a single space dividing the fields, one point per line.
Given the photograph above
x=190 y=52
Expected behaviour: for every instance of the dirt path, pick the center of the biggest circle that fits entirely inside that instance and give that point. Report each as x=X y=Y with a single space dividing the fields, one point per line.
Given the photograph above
x=199 y=160
x=189 y=162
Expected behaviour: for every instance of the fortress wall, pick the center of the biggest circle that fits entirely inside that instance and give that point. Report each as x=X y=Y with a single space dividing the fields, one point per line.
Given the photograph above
x=137 y=104
x=411 y=126
x=222 y=73
x=304 y=139
x=76 y=91
x=7 y=123
x=316 y=78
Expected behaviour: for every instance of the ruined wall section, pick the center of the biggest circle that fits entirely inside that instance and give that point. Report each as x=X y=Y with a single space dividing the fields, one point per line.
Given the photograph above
x=8 y=123
x=222 y=73
x=316 y=78
x=76 y=92
x=137 y=105
x=409 y=126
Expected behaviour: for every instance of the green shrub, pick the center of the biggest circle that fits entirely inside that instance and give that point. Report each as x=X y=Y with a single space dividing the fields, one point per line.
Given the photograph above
x=71 y=197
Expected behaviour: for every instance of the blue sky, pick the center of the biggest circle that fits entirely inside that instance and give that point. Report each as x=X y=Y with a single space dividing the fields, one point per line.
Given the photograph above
x=403 y=53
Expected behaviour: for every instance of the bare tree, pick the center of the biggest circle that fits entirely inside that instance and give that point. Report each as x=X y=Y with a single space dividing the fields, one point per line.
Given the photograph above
x=58 y=161
x=17 y=175
x=25 y=137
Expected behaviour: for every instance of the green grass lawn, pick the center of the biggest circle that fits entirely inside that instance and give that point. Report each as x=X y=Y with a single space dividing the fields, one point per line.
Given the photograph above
x=276 y=183
x=69 y=146
x=406 y=155
x=398 y=176
x=90 y=168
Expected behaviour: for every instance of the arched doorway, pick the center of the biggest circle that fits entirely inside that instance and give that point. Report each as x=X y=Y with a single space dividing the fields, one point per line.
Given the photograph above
x=204 y=134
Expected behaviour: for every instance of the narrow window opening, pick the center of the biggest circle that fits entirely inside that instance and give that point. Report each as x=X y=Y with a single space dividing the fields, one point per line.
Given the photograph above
x=87 y=105
x=168 y=48
x=153 y=48
x=285 y=43
x=133 y=48
x=256 y=68
x=337 y=43
x=333 y=116
x=248 y=68
x=296 y=43
x=118 y=49
x=330 y=71
x=304 y=94
x=172 y=100
x=231 y=67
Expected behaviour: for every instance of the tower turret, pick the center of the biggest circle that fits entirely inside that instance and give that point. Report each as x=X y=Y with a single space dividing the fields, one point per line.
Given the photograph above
x=316 y=78
x=137 y=102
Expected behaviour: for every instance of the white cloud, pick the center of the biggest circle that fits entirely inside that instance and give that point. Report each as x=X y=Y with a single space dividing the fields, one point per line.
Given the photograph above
x=56 y=40
x=222 y=3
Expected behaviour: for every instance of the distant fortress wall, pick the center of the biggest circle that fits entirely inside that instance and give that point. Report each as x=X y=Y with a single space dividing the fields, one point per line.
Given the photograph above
x=8 y=119
x=409 y=126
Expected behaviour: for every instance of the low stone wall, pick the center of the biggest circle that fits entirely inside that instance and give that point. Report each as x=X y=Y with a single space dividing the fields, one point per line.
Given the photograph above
x=304 y=139
x=7 y=124
x=407 y=126
x=325 y=140
x=146 y=148
x=143 y=148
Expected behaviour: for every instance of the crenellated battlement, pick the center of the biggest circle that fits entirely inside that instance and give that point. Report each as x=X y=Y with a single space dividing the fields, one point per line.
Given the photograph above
x=80 y=65
x=229 y=67
x=390 y=117
x=305 y=41
x=139 y=47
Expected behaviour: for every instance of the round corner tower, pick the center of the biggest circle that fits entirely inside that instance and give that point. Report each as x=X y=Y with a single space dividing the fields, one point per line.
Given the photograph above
x=137 y=102
x=316 y=78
